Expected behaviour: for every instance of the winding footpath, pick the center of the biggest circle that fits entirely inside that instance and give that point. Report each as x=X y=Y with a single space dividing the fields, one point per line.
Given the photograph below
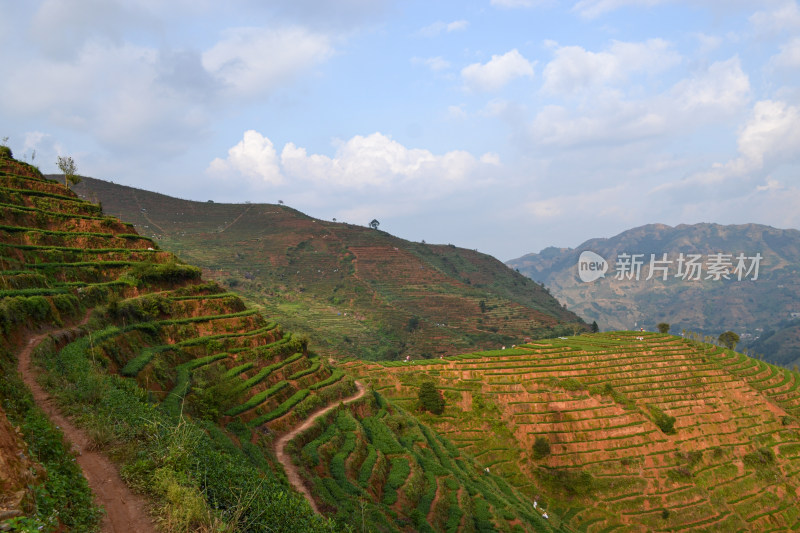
x=291 y=471
x=124 y=510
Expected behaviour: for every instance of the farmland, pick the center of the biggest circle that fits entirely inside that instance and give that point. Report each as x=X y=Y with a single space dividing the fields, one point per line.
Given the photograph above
x=645 y=431
x=187 y=389
x=351 y=289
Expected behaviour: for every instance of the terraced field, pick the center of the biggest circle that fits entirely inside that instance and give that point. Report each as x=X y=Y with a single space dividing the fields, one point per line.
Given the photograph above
x=352 y=290
x=646 y=432
x=187 y=390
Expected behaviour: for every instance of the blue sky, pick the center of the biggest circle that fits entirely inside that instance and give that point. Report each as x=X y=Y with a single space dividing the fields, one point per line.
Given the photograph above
x=501 y=125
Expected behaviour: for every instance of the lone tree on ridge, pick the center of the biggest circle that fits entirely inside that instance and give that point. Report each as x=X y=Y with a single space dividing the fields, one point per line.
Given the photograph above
x=663 y=327
x=729 y=339
x=374 y=224
x=67 y=166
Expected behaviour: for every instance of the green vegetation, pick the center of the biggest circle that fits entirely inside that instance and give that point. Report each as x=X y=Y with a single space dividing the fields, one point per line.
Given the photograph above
x=430 y=398
x=541 y=448
x=327 y=280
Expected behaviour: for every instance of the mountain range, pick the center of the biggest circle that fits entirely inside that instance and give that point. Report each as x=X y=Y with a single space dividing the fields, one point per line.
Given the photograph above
x=759 y=301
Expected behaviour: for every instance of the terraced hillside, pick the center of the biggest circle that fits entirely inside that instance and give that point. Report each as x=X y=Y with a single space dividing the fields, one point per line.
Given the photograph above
x=350 y=289
x=623 y=431
x=189 y=391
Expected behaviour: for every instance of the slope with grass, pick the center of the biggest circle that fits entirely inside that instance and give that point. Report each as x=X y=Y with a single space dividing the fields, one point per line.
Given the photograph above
x=350 y=289
x=149 y=378
x=188 y=391
x=623 y=430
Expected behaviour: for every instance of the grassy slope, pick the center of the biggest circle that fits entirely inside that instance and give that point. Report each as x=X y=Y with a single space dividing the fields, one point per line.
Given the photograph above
x=351 y=289
x=731 y=464
x=187 y=389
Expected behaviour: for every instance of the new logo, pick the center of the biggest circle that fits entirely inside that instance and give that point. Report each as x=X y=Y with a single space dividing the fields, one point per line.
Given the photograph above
x=591 y=267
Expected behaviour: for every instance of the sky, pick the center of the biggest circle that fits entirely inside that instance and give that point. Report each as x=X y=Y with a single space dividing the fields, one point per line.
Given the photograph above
x=505 y=126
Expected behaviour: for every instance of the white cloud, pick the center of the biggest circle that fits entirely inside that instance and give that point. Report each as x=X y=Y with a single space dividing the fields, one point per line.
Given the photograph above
x=575 y=68
x=378 y=161
x=722 y=87
x=607 y=118
x=595 y=8
x=769 y=140
x=252 y=61
x=436 y=64
x=374 y=162
x=785 y=17
x=497 y=72
x=254 y=157
x=789 y=56
x=439 y=27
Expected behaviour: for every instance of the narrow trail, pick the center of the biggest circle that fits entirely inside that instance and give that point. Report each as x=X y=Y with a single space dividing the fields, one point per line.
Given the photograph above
x=125 y=511
x=235 y=220
x=291 y=471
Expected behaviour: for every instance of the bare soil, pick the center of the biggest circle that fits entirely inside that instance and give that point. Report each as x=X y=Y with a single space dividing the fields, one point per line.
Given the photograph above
x=125 y=511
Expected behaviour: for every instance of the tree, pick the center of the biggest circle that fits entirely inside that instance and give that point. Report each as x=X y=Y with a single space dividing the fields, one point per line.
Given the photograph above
x=729 y=339
x=595 y=327
x=374 y=224
x=67 y=166
x=541 y=447
x=430 y=398
x=482 y=305
x=663 y=327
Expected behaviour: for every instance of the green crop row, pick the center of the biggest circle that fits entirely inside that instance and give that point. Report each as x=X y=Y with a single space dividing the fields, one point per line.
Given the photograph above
x=135 y=365
x=266 y=371
x=27 y=229
x=235 y=371
x=282 y=409
x=172 y=403
x=256 y=399
x=335 y=376
x=310 y=370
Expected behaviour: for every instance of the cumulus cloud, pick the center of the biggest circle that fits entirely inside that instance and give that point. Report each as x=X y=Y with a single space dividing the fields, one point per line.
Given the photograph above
x=574 y=68
x=252 y=61
x=497 y=72
x=769 y=140
x=374 y=162
x=720 y=90
x=254 y=157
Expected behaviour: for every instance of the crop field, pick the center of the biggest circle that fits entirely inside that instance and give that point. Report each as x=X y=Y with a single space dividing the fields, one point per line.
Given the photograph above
x=645 y=431
x=352 y=290
x=187 y=388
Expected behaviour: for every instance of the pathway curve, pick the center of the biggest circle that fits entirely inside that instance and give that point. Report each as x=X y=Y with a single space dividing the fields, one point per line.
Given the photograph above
x=125 y=511
x=291 y=471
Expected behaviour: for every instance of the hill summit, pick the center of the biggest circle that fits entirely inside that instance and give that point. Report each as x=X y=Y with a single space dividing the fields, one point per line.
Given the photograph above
x=352 y=290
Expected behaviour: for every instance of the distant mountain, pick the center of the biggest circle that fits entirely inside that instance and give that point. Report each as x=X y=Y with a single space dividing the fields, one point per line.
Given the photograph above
x=352 y=290
x=762 y=301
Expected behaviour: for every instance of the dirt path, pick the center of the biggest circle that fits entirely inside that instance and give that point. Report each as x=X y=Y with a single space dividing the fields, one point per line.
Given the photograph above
x=291 y=471
x=125 y=511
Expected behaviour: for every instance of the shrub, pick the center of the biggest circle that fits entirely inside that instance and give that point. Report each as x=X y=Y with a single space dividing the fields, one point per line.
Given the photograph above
x=430 y=398
x=541 y=448
x=665 y=422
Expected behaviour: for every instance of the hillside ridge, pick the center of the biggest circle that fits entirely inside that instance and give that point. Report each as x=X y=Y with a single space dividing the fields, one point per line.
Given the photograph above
x=352 y=290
